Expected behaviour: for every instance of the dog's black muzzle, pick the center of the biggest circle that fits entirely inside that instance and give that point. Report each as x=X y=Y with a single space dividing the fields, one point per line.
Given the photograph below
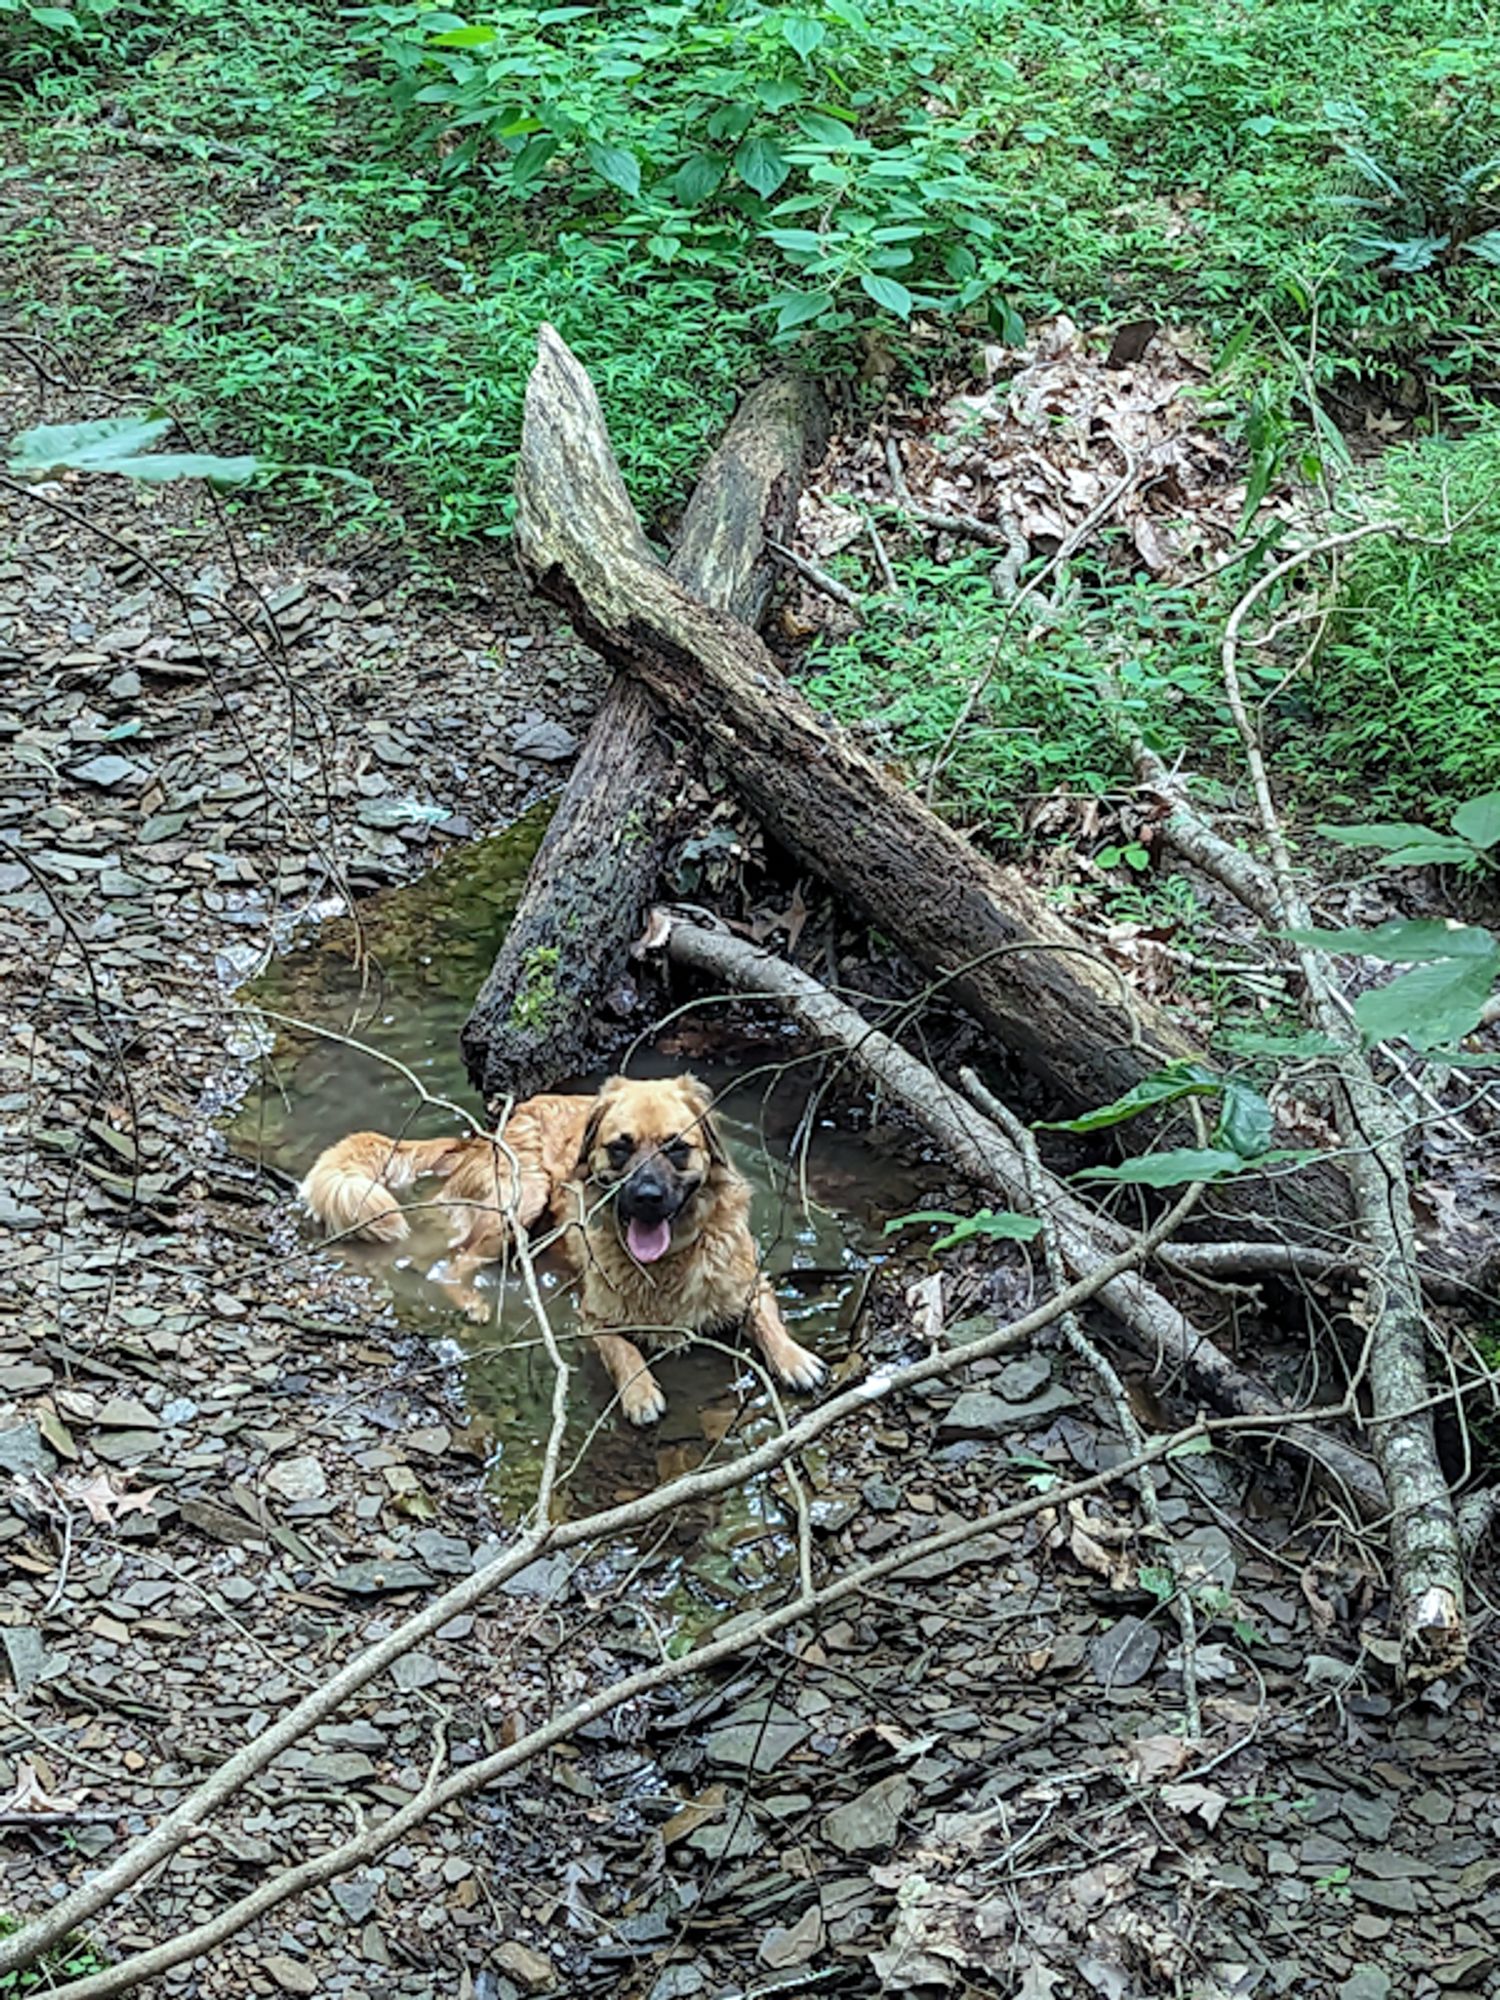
x=650 y=1196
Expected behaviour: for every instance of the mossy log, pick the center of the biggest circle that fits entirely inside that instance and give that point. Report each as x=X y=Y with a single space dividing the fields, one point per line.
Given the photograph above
x=543 y=1012
x=985 y=936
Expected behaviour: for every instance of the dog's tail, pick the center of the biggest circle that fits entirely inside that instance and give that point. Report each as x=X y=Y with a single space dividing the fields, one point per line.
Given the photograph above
x=352 y=1187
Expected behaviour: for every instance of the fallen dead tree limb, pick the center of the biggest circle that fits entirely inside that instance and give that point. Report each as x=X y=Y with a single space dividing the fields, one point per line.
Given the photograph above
x=22 y=1948
x=462 y=1784
x=597 y=871
x=1428 y=1580
x=1004 y=951
x=1427 y=1545
x=985 y=1155
x=988 y=937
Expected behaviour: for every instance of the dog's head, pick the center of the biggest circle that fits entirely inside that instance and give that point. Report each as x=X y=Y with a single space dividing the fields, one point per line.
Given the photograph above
x=653 y=1151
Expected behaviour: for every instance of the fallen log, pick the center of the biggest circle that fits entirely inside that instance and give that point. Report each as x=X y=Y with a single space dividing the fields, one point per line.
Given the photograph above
x=992 y=942
x=599 y=867
x=985 y=1155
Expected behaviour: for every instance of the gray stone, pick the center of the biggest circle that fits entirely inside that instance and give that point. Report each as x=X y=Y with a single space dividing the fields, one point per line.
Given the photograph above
x=869 y=1824
x=978 y=1414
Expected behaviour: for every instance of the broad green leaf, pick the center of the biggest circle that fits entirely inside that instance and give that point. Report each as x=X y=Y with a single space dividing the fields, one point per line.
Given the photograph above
x=1246 y=1122
x=164 y=466
x=1003 y=1227
x=775 y=95
x=1198 y=1447
x=1185 y=1164
x=803 y=33
x=696 y=179
x=463 y=38
x=887 y=292
x=1404 y=942
x=825 y=130
x=1166 y=1086
x=1435 y=1005
x=797 y=308
x=77 y=447
x=617 y=166
x=531 y=162
x=121 y=445
x=56 y=17
x=898 y=1222
x=1478 y=820
x=1434 y=850
x=1253 y=1042
x=1379 y=833
x=760 y=165
x=729 y=121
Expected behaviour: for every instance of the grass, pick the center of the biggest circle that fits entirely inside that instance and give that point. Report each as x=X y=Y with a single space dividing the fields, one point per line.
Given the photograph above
x=1404 y=703
x=333 y=271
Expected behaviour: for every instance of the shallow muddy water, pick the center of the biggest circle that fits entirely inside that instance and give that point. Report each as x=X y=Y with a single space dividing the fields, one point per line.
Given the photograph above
x=821 y=1195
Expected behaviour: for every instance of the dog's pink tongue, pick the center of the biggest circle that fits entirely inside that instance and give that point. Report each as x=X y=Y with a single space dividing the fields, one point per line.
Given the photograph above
x=649 y=1240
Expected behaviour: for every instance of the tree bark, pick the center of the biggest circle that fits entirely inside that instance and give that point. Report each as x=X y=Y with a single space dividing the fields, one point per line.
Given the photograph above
x=985 y=1156
x=998 y=947
x=535 y=1020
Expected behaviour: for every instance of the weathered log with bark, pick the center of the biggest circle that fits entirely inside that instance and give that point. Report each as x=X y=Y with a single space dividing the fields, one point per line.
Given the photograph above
x=535 y=1020
x=997 y=946
x=990 y=940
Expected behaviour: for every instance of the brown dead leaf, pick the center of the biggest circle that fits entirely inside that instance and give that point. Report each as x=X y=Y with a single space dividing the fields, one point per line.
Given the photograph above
x=697 y=1812
x=1202 y=1801
x=105 y=1500
x=925 y=1298
x=32 y=1801
x=1153 y=1758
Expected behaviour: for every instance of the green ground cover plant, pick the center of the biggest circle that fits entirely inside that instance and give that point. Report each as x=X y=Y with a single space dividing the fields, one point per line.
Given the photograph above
x=328 y=236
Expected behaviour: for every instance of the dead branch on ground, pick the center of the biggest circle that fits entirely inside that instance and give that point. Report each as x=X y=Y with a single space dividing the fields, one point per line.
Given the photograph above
x=984 y=1155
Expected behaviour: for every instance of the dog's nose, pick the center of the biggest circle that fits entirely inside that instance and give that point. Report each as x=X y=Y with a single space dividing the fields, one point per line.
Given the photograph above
x=647 y=1194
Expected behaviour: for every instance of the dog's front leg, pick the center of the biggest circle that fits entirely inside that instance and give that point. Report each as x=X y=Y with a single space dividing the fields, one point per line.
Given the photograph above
x=789 y=1362
x=638 y=1389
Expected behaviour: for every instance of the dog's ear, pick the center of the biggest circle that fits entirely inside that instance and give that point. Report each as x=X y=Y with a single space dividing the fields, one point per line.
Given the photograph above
x=702 y=1100
x=590 y=1139
x=610 y=1087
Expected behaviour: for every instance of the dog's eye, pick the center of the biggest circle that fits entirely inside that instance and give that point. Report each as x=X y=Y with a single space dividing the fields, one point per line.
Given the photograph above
x=679 y=1152
x=620 y=1149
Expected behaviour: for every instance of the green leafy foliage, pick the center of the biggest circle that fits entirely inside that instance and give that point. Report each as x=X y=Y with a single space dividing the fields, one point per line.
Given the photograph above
x=835 y=141
x=1476 y=829
x=1168 y=1086
x=71 y=1960
x=1402 y=712
x=985 y=1222
x=1439 y=1003
x=1184 y=1164
x=120 y=445
x=1242 y=1139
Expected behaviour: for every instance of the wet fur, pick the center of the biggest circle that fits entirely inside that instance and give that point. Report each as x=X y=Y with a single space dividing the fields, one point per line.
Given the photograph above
x=554 y=1158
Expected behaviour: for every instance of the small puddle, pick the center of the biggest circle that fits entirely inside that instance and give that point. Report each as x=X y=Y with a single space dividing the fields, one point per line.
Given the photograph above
x=821 y=1196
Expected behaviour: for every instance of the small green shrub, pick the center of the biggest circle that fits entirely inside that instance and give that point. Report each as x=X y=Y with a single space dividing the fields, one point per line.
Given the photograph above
x=71 y=1960
x=838 y=139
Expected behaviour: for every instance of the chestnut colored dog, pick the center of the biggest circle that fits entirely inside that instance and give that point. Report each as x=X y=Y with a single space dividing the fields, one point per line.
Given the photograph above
x=655 y=1220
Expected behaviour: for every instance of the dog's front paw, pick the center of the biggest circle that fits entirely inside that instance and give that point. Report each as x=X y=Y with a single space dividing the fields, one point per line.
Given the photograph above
x=800 y=1369
x=642 y=1400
